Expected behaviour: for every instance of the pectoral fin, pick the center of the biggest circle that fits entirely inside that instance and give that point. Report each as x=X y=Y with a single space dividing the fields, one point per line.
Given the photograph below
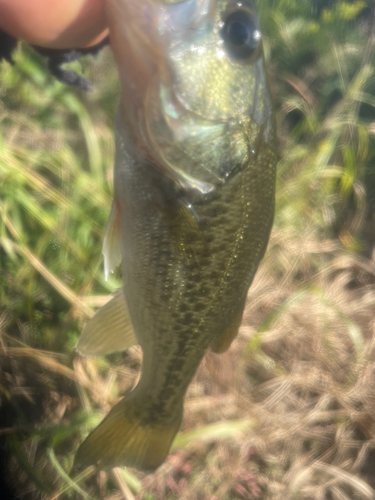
x=112 y=240
x=222 y=343
x=109 y=330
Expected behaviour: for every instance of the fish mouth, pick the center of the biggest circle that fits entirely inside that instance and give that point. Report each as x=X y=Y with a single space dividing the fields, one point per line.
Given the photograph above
x=153 y=26
x=178 y=17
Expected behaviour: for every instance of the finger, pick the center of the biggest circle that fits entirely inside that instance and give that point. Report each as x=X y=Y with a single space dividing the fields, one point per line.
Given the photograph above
x=54 y=23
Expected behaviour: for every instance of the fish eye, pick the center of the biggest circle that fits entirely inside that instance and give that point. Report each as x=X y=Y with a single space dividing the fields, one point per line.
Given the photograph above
x=240 y=35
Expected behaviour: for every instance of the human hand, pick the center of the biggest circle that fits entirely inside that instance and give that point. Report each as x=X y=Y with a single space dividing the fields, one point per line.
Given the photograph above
x=58 y=24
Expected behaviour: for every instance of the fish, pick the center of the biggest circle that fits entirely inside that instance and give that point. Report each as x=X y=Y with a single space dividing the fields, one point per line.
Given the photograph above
x=194 y=191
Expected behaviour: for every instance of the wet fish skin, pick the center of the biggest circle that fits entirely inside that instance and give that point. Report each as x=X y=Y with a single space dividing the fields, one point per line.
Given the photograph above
x=185 y=277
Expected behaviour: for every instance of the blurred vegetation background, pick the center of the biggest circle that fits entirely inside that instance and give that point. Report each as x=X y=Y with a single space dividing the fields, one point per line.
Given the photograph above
x=289 y=411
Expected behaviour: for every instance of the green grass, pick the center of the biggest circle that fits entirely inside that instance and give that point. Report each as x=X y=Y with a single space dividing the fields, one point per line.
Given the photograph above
x=288 y=411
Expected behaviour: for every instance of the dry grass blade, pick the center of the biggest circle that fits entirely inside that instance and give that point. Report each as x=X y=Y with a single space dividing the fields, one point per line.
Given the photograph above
x=76 y=480
x=345 y=477
x=46 y=359
x=70 y=482
x=57 y=284
x=213 y=432
x=125 y=490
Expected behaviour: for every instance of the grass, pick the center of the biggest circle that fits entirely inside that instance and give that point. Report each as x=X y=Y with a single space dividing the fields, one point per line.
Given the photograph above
x=288 y=411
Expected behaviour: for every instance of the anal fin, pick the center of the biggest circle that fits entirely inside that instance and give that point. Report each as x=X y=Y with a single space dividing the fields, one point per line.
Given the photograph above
x=110 y=330
x=222 y=343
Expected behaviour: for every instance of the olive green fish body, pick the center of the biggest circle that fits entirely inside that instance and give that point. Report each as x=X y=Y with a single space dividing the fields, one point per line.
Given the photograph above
x=181 y=301
x=193 y=209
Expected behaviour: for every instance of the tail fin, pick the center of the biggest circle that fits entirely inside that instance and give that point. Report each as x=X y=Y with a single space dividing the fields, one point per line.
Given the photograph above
x=122 y=439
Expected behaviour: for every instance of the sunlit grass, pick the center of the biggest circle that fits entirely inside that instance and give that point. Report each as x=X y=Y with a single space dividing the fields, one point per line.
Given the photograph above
x=288 y=411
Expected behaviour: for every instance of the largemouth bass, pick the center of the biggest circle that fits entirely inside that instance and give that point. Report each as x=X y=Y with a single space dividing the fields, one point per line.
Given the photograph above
x=193 y=206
